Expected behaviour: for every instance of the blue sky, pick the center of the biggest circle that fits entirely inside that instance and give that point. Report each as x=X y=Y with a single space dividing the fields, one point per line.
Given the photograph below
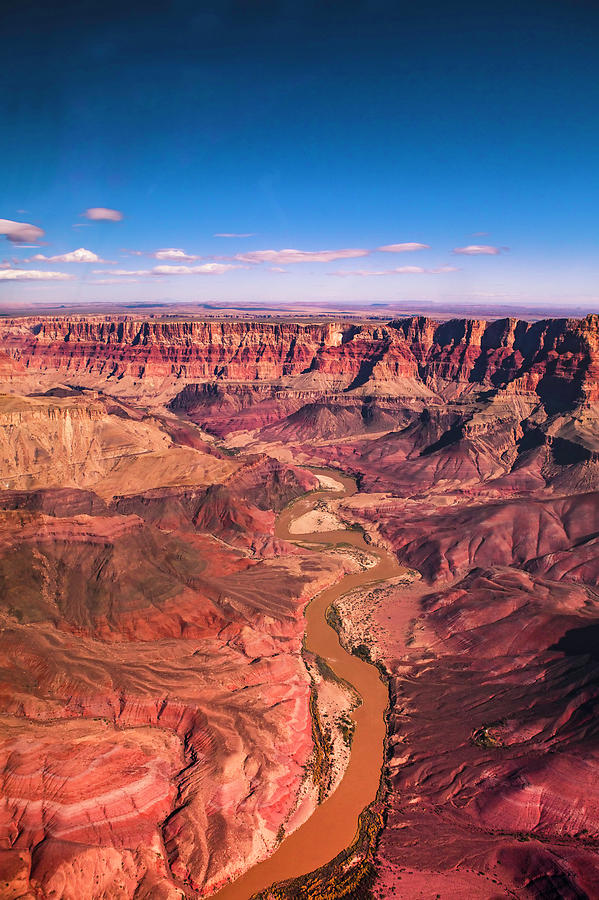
x=320 y=127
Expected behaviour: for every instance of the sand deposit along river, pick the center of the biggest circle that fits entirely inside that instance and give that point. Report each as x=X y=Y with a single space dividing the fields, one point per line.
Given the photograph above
x=333 y=825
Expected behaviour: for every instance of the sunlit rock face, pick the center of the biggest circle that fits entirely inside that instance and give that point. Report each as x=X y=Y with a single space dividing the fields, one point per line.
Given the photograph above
x=556 y=358
x=154 y=703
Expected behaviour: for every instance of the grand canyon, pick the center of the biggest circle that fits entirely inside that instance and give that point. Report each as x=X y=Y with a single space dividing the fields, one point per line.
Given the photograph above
x=223 y=542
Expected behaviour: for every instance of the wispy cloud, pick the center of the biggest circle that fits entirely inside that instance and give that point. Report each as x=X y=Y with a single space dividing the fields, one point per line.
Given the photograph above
x=115 y=281
x=169 y=253
x=32 y=275
x=279 y=269
x=479 y=250
x=235 y=234
x=102 y=214
x=299 y=256
x=121 y=272
x=409 y=247
x=75 y=256
x=399 y=270
x=20 y=232
x=204 y=269
x=480 y=234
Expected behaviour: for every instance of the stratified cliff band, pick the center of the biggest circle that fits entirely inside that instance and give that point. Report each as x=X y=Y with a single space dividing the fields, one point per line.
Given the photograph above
x=157 y=728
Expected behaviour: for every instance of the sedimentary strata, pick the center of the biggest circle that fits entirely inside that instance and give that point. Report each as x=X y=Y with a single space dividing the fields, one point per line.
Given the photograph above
x=156 y=723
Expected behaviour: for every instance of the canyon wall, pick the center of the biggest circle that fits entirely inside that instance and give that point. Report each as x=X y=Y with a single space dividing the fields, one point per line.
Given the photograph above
x=556 y=359
x=152 y=622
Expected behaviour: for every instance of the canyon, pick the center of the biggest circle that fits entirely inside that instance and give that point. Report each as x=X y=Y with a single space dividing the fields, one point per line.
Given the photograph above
x=165 y=724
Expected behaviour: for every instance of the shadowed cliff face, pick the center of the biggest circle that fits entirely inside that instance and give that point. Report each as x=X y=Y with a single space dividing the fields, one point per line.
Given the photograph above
x=152 y=617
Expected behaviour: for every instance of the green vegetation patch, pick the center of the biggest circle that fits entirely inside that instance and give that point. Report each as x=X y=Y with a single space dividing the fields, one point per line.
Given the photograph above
x=485 y=736
x=351 y=874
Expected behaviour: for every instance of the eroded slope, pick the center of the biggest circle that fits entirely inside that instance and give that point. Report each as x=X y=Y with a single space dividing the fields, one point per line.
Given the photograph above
x=476 y=449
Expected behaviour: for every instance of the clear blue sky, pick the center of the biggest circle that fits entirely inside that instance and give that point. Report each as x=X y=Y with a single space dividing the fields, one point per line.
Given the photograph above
x=313 y=126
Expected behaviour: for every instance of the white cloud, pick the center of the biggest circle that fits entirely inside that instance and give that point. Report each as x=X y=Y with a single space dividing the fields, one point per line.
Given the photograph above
x=205 y=269
x=75 y=256
x=32 y=275
x=173 y=253
x=20 y=232
x=102 y=214
x=165 y=253
x=279 y=269
x=478 y=250
x=403 y=248
x=299 y=256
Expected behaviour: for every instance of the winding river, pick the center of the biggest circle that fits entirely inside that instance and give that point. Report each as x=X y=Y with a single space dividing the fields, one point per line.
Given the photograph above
x=333 y=824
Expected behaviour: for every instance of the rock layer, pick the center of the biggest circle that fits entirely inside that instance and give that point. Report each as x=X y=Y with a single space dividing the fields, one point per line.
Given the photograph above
x=154 y=703
x=555 y=358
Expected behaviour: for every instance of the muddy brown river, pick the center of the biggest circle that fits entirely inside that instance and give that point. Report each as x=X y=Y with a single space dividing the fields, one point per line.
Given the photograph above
x=333 y=824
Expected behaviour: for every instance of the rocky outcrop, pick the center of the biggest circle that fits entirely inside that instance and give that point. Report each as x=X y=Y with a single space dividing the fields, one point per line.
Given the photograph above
x=449 y=542
x=497 y=762
x=155 y=725
x=170 y=668
x=82 y=440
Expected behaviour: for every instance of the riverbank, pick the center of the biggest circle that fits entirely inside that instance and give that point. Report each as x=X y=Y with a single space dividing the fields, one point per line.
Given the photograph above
x=332 y=828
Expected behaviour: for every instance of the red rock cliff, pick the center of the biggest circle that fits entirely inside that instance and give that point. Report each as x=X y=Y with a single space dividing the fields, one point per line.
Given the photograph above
x=554 y=357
